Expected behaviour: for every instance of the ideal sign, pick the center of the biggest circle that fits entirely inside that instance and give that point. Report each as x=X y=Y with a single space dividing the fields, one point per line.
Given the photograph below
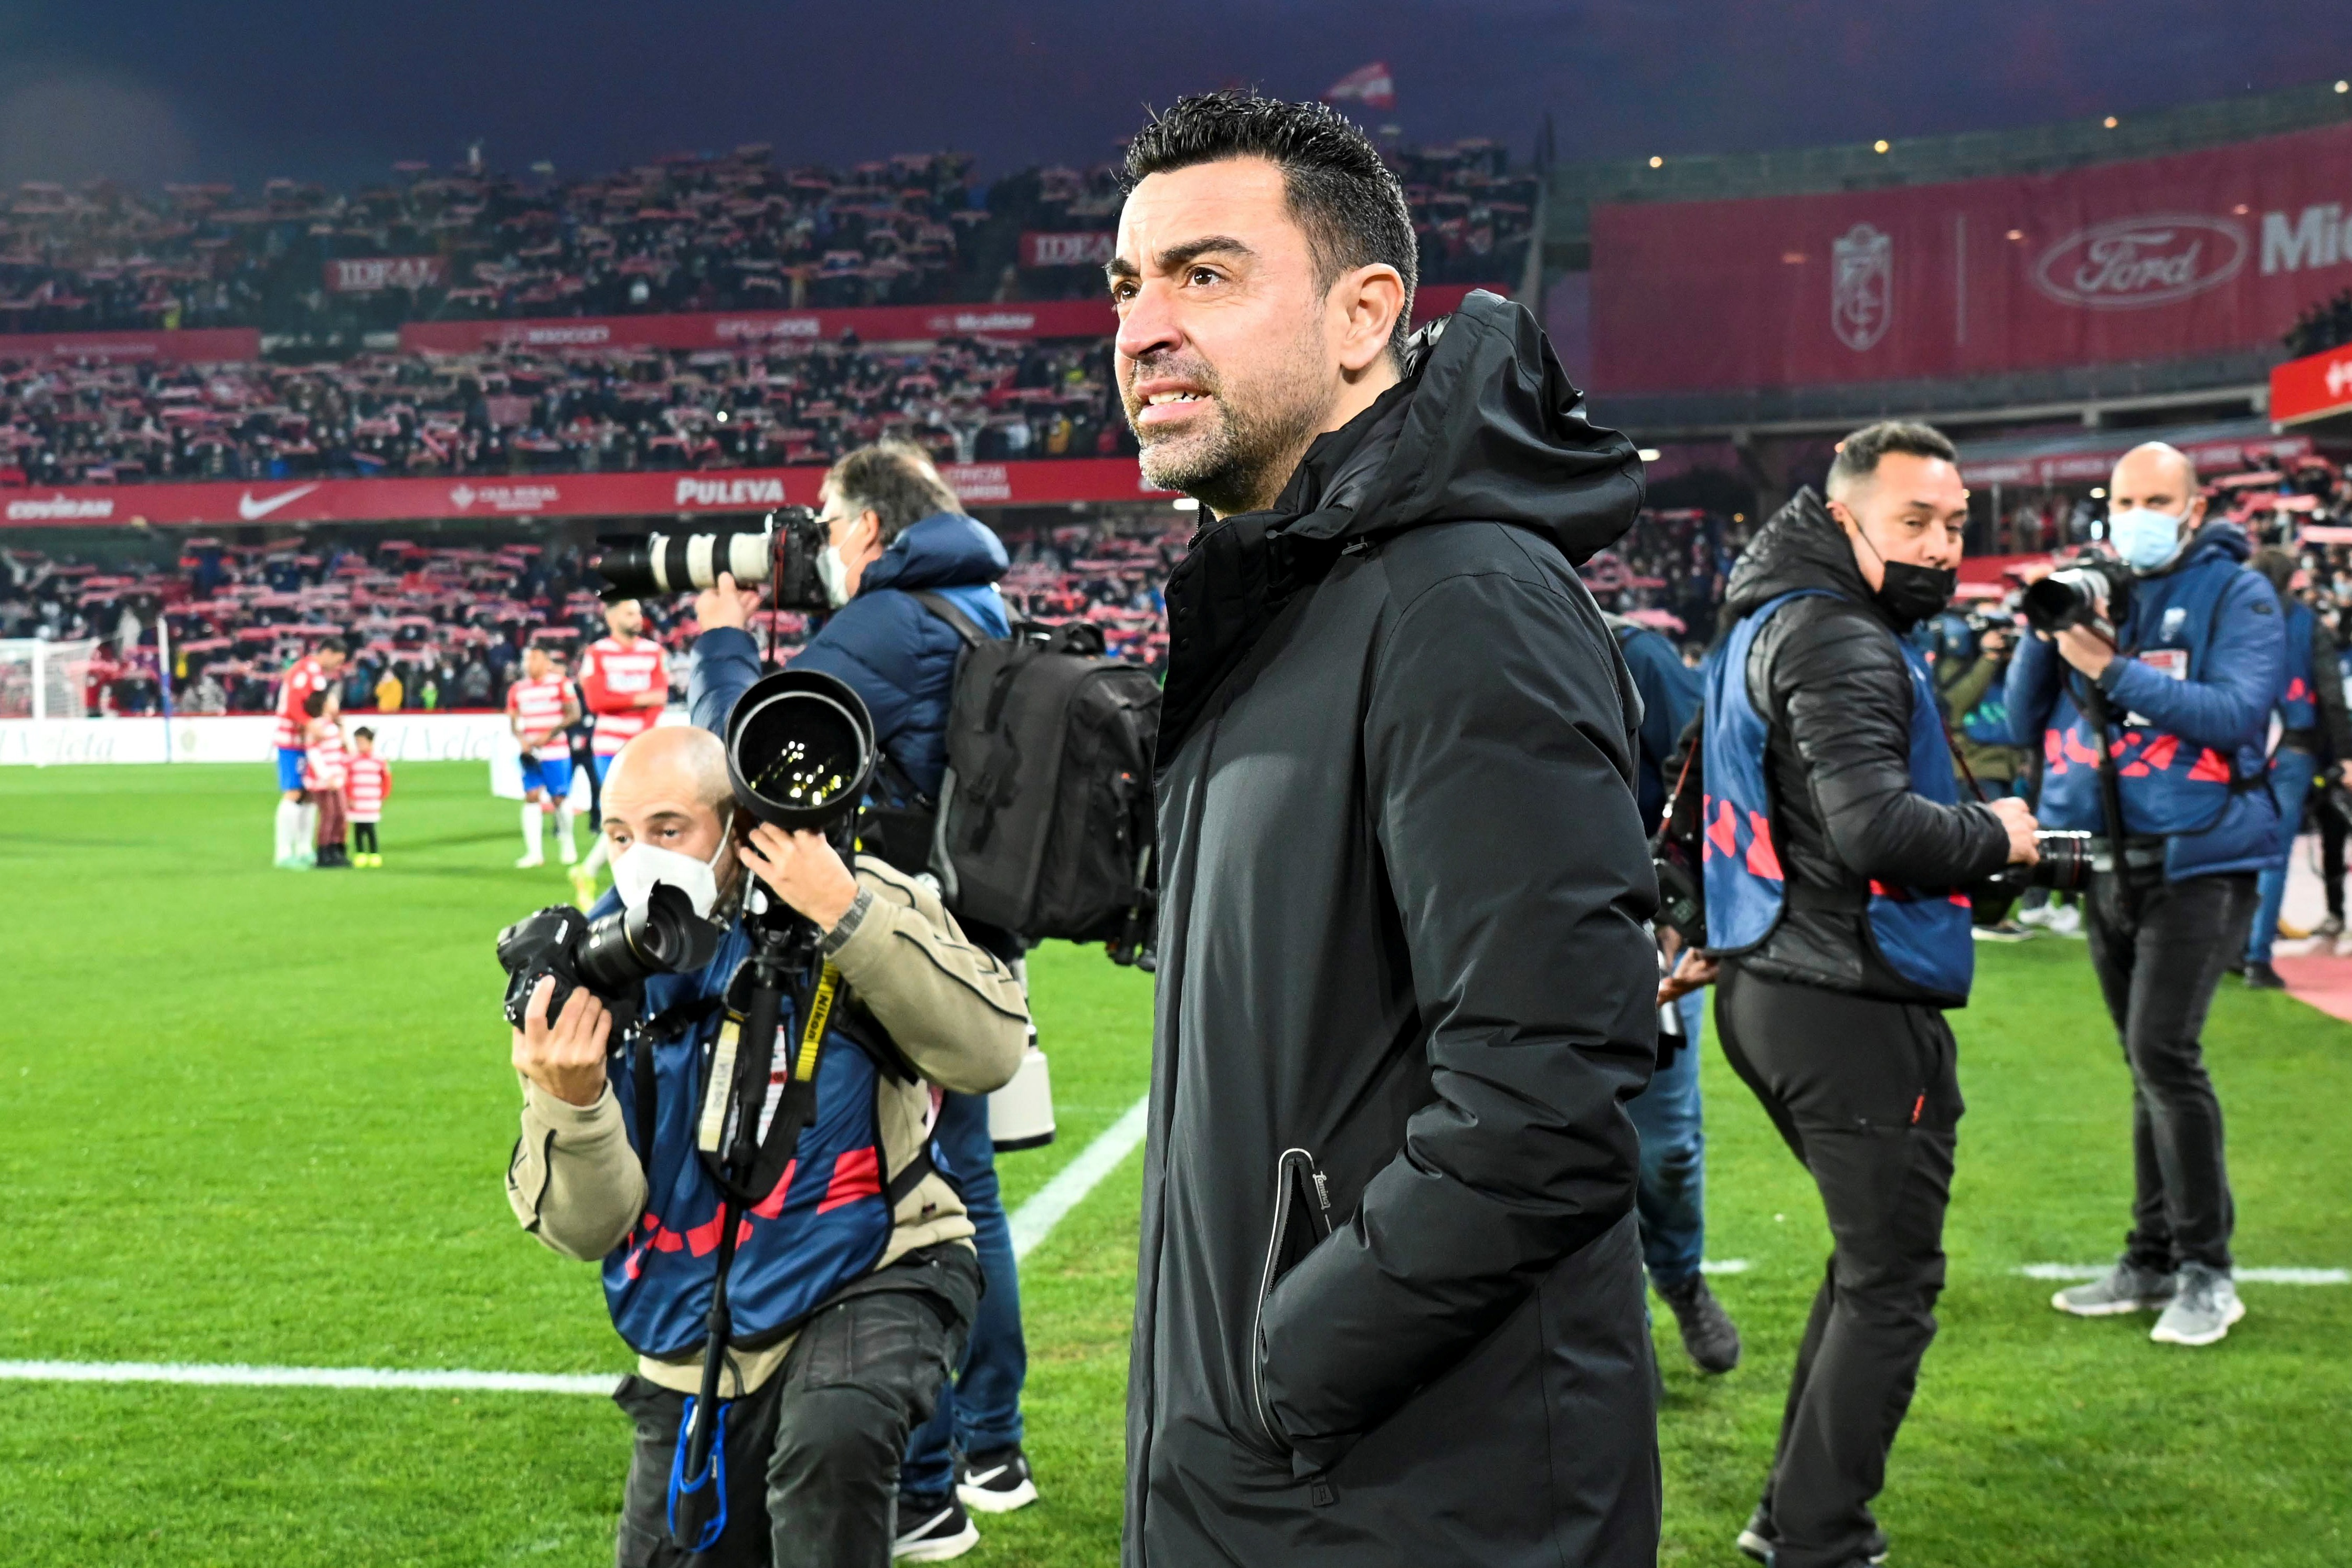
x=2149 y=259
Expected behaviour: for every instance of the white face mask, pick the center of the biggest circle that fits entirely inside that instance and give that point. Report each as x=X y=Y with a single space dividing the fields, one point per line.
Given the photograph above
x=834 y=573
x=638 y=867
x=2145 y=538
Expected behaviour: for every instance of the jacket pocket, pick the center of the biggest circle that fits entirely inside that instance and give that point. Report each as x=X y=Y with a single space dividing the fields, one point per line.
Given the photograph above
x=1302 y=1218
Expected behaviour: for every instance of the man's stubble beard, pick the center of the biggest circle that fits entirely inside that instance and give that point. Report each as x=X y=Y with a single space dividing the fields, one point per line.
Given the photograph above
x=1243 y=464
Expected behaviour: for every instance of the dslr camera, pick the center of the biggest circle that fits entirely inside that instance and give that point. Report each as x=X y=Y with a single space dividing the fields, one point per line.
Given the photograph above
x=2065 y=868
x=782 y=552
x=2089 y=591
x=611 y=956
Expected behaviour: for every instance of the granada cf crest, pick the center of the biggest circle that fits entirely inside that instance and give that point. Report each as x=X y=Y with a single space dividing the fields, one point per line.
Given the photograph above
x=1862 y=296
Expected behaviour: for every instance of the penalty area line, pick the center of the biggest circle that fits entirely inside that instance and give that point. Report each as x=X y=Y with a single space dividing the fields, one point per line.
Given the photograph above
x=1033 y=1221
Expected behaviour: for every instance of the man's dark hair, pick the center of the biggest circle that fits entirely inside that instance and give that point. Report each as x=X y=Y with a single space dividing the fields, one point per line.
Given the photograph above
x=1858 y=454
x=1350 y=203
x=315 y=704
x=363 y=733
x=895 y=481
x=332 y=645
x=2277 y=566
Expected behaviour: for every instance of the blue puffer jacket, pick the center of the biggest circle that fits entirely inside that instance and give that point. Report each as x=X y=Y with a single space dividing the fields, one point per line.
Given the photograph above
x=892 y=651
x=2198 y=732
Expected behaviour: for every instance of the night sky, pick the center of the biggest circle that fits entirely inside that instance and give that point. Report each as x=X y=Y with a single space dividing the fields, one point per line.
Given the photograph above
x=149 y=92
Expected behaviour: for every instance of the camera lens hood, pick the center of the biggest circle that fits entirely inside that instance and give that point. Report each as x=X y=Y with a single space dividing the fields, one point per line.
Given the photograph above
x=800 y=748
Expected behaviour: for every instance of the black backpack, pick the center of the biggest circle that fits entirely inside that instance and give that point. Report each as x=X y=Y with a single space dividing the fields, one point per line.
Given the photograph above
x=1045 y=824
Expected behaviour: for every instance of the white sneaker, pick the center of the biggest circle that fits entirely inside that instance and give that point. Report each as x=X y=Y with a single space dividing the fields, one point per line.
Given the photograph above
x=2066 y=921
x=565 y=853
x=2039 y=915
x=2203 y=1310
x=527 y=861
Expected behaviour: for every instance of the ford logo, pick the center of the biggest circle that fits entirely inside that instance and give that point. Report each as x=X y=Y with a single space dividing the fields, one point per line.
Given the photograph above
x=2139 y=261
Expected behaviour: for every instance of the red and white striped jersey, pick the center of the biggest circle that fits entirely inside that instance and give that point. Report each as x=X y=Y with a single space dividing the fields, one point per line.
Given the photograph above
x=367 y=785
x=323 y=756
x=300 y=681
x=539 y=704
x=611 y=678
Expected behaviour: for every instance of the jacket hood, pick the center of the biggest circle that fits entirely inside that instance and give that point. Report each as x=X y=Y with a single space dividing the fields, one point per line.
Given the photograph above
x=1485 y=426
x=2216 y=537
x=1800 y=547
x=946 y=550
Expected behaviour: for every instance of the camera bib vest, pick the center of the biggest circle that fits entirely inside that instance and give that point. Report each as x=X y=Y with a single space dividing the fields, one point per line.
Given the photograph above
x=1921 y=934
x=2169 y=787
x=2298 y=709
x=824 y=1224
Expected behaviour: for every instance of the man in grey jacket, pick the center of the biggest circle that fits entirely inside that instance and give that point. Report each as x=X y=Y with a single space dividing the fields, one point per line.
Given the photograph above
x=1389 y=1307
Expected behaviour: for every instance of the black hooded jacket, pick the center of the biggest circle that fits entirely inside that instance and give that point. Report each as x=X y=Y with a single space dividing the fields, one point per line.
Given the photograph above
x=1830 y=680
x=1403 y=972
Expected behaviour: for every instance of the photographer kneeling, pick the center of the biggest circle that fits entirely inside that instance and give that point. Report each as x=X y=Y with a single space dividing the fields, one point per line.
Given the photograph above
x=853 y=1283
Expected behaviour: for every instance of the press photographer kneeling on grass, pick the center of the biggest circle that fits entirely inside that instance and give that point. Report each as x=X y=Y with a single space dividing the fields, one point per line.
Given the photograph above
x=853 y=1283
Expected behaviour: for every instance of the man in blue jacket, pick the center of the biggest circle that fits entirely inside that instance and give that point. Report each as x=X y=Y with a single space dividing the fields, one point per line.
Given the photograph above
x=1670 y=1198
x=2175 y=707
x=895 y=528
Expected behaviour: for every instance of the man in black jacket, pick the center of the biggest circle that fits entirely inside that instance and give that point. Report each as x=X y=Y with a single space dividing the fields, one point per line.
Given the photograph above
x=1836 y=843
x=1389 y=1306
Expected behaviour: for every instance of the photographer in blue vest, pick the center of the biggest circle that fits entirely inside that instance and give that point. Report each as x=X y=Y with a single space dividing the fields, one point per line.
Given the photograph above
x=2312 y=724
x=854 y=1282
x=896 y=529
x=1836 y=847
x=2163 y=710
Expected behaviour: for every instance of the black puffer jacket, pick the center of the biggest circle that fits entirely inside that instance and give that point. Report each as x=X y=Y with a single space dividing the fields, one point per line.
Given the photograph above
x=1830 y=680
x=1402 y=968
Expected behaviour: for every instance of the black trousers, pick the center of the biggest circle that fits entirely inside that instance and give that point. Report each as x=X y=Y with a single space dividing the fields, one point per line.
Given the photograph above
x=1866 y=1094
x=363 y=837
x=2331 y=857
x=2158 y=967
x=812 y=1454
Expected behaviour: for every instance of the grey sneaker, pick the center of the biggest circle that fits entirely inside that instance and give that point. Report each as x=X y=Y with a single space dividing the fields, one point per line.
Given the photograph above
x=1709 y=1336
x=2203 y=1310
x=2127 y=1288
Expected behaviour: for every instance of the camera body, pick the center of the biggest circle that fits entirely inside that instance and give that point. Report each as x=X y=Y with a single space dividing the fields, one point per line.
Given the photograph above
x=2090 y=591
x=784 y=548
x=2065 y=868
x=609 y=957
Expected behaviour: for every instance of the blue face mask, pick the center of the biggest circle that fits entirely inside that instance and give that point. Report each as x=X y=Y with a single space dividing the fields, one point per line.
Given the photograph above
x=2145 y=538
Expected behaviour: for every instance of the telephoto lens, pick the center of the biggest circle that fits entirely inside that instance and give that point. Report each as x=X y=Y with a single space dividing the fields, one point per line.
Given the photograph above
x=787 y=542
x=2082 y=595
x=799 y=750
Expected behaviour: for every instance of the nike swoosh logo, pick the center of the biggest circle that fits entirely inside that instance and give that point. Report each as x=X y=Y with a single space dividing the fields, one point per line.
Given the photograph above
x=252 y=510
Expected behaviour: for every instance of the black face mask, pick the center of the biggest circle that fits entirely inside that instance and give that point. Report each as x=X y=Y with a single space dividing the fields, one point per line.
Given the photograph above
x=1914 y=594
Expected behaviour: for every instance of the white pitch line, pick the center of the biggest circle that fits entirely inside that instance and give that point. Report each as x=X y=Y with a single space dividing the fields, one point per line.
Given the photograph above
x=2242 y=1276
x=1726 y=1265
x=1033 y=1221
x=236 y=1375
x=1030 y=1223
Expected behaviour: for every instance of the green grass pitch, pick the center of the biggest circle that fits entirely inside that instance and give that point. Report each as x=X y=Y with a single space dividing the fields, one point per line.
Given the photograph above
x=258 y=1117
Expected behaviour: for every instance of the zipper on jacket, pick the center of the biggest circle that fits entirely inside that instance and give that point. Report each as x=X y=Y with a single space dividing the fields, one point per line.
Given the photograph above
x=1295 y=1181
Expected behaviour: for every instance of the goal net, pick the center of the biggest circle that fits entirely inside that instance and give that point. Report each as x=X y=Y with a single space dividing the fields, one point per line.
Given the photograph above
x=43 y=679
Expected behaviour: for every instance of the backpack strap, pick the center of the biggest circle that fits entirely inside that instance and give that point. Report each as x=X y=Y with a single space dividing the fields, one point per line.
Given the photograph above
x=947 y=610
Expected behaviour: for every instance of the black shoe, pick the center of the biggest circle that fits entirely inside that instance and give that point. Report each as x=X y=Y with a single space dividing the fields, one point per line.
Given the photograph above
x=2261 y=976
x=997 y=1481
x=2235 y=966
x=933 y=1531
x=1757 y=1541
x=1708 y=1335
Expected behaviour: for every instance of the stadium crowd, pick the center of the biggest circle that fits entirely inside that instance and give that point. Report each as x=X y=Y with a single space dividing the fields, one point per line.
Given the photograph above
x=441 y=627
x=526 y=412
x=685 y=232
x=2323 y=326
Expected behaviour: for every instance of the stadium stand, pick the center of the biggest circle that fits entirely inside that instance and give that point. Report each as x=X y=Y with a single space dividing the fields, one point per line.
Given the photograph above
x=682 y=233
x=516 y=411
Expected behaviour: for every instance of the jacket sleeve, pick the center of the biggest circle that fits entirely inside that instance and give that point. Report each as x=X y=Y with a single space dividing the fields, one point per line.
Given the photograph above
x=1498 y=768
x=2033 y=687
x=1670 y=695
x=951 y=1005
x=2327 y=688
x=574 y=1180
x=2229 y=705
x=1845 y=694
x=726 y=663
x=1967 y=689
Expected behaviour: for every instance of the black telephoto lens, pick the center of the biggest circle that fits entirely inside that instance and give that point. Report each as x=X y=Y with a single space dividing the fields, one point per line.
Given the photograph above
x=800 y=748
